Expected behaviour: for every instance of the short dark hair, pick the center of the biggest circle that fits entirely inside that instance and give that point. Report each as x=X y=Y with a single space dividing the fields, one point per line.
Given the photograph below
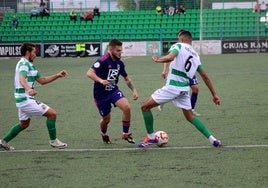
x=180 y=31
x=27 y=46
x=185 y=33
x=115 y=42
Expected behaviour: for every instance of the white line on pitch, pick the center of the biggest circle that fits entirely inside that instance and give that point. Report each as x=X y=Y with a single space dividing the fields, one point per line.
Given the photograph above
x=133 y=149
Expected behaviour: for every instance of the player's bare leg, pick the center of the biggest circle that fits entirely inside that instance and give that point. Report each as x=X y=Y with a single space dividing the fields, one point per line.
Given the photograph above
x=104 y=127
x=124 y=105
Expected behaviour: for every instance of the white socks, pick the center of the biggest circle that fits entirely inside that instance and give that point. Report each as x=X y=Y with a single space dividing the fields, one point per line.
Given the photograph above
x=212 y=139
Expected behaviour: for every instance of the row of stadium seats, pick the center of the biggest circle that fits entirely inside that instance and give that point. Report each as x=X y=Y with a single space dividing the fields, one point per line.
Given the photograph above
x=135 y=16
x=143 y=25
x=152 y=22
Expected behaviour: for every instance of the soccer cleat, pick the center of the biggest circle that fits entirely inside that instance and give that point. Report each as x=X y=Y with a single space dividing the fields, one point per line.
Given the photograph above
x=216 y=143
x=6 y=146
x=105 y=138
x=128 y=137
x=146 y=142
x=195 y=113
x=58 y=144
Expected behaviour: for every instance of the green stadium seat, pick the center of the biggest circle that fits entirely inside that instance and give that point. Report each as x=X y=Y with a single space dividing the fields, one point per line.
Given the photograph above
x=56 y=38
x=132 y=25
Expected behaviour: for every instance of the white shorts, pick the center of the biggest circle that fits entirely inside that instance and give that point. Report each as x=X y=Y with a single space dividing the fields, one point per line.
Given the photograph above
x=31 y=108
x=180 y=99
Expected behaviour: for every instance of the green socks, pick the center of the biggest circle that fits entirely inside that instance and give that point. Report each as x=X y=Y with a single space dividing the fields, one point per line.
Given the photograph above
x=51 y=127
x=13 y=132
x=149 y=124
x=149 y=121
x=201 y=127
x=16 y=129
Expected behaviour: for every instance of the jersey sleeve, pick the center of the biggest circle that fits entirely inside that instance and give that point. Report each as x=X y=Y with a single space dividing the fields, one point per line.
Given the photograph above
x=23 y=68
x=200 y=68
x=100 y=68
x=123 y=70
x=38 y=75
x=175 y=48
x=96 y=65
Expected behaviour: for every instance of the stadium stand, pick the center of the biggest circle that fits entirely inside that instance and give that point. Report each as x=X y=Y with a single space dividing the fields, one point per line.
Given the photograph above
x=133 y=26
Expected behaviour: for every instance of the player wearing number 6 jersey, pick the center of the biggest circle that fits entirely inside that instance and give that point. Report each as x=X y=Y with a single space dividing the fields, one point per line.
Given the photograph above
x=185 y=62
x=193 y=85
x=105 y=72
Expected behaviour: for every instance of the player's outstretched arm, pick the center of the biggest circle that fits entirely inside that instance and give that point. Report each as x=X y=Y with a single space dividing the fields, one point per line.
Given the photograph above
x=130 y=84
x=164 y=59
x=48 y=79
x=208 y=83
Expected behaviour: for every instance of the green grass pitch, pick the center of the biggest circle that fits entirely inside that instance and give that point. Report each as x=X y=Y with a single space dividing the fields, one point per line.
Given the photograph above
x=188 y=160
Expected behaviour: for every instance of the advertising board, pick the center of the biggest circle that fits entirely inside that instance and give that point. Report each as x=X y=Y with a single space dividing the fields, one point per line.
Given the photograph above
x=244 y=46
x=13 y=50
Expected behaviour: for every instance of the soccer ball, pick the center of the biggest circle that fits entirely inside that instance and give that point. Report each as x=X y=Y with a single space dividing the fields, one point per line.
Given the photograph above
x=162 y=138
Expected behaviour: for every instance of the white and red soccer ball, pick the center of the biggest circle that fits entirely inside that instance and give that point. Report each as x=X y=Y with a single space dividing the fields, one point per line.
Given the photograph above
x=162 y=138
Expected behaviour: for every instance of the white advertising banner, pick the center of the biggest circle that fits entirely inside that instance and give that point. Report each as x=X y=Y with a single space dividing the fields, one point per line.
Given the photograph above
x=137 y=48
x=134 y=49
x=30 y=1
x=207 y=47
x=74 y=4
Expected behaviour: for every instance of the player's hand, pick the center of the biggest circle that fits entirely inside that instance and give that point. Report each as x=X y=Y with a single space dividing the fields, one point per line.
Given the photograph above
x=105 y=82
x=155 y=58
x=32 y=92
x=164 y=75
x=135 y=95
x=62 y=73
x=216 y=100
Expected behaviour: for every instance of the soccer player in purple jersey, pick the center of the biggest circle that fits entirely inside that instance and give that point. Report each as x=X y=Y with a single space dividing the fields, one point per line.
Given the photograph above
x=105 y=72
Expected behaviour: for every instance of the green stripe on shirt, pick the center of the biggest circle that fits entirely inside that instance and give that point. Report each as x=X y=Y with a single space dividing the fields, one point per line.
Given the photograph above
x=19 y=90
x=179 y=73
x=179 y=84
x=31 y=78
x=18 y=100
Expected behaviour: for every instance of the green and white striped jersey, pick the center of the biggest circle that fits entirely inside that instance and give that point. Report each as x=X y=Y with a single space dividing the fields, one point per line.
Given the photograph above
x=24 y=67
x=184 y=66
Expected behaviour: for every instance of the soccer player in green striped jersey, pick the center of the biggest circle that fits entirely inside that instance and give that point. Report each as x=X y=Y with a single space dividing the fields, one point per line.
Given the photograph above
x=193 y=84
x=185 y=62
x=25 y=76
